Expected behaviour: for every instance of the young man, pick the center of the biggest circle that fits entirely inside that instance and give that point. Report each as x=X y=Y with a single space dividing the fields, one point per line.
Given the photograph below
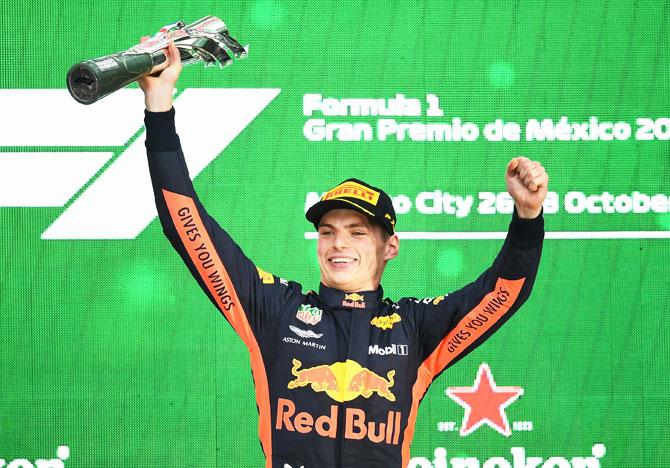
x=339 y=374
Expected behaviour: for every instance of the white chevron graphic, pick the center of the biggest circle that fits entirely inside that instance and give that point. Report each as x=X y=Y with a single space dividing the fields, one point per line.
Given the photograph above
x=119 y=203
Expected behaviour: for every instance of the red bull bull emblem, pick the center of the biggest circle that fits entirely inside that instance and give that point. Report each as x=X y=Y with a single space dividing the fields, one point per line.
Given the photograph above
x=355 y=300
x=309 y=315
x=343 y=381
x=385 y=322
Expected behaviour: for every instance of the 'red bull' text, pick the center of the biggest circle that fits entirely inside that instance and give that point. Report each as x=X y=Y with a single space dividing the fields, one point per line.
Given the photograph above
x=356 y=425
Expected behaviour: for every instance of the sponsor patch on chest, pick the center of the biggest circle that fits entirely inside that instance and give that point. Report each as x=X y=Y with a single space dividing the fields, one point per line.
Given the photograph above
x=304 y=333
x=385 y=322
x=308 y=314
x=397 y=349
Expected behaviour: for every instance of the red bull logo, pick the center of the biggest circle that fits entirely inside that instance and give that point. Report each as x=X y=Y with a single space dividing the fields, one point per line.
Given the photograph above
x=354 y=300
x=354 y=297
x=343 y=381
x=356 y=425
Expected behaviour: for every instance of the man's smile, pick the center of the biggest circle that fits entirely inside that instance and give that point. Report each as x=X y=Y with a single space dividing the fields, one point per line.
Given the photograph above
x=340 y=262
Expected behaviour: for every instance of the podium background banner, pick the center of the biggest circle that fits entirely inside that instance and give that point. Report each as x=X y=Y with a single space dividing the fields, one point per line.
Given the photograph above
x=109 y=347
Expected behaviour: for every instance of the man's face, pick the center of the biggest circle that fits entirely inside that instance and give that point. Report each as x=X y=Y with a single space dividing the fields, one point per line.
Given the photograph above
x=352 y=251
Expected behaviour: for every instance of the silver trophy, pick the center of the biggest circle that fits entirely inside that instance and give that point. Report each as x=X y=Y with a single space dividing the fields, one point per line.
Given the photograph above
x=206 y=40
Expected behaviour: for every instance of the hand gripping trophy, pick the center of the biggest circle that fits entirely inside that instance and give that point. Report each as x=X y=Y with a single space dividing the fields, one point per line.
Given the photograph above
x=205 y=40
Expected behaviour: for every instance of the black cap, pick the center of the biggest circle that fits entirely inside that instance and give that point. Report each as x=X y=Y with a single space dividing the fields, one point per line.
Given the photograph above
x=354 y=194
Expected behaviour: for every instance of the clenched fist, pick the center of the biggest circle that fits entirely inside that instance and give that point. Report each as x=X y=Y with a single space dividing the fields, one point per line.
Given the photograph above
x=527 y=183
x=158 y=89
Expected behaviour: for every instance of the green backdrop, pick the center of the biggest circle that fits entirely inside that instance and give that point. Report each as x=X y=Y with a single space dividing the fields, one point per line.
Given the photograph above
x=109 y=347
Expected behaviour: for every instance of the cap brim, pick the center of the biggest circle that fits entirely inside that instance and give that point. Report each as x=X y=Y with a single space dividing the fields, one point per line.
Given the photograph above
x=316 y=212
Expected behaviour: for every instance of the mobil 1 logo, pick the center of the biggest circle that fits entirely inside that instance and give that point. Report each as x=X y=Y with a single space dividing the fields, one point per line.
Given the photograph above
x=397 y=349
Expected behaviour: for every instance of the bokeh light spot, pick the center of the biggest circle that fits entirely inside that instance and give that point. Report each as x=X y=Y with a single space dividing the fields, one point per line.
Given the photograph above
x=450 y=262
x=663 y=220
x=501 y=74
x=267 y=13
x=141 y=282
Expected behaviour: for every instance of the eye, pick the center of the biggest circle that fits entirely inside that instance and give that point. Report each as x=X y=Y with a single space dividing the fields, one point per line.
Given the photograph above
x=325 y=233
x=359 y=233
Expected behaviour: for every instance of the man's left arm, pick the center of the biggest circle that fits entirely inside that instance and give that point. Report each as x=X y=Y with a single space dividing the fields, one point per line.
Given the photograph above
x=451 y=326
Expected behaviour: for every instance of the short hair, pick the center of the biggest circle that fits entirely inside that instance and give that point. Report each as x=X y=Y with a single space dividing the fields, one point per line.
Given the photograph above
x=385 y=233
x=373 y=223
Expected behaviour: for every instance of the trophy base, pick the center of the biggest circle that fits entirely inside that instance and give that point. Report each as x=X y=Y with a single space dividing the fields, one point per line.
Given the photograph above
x=82 y=84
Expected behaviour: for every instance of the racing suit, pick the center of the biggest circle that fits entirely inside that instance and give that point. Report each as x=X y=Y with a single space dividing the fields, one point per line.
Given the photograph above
x=338 y=376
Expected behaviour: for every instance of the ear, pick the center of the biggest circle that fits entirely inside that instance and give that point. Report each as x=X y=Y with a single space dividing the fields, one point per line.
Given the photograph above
x=392 y=247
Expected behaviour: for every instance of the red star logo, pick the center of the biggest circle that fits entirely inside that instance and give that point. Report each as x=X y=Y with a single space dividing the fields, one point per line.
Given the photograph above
x=484 y=402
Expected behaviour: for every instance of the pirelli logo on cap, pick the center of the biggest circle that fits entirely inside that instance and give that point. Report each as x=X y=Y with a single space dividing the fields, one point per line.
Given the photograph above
x=353 y=190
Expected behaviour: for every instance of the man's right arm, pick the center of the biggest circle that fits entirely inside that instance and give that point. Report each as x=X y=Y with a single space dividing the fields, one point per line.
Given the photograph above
x=246 y=296
x=231 y=281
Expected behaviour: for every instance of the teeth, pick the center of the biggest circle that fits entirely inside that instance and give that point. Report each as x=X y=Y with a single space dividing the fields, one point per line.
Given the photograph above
x=341 y=260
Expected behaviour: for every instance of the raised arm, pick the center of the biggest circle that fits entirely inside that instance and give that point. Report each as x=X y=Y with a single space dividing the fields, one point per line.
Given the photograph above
x=452 y=325
x=246 y=296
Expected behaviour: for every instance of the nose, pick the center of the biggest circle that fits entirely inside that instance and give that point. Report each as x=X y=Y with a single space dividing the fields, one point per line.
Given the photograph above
x=339 y=241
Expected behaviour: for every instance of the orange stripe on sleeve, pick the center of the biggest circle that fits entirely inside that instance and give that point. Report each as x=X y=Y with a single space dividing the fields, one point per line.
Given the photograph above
x=471 y=327
x=475 y=323
x=200 y=248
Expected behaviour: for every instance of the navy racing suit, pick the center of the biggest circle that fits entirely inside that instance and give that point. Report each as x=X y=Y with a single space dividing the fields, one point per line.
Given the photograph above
x=338 y=376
